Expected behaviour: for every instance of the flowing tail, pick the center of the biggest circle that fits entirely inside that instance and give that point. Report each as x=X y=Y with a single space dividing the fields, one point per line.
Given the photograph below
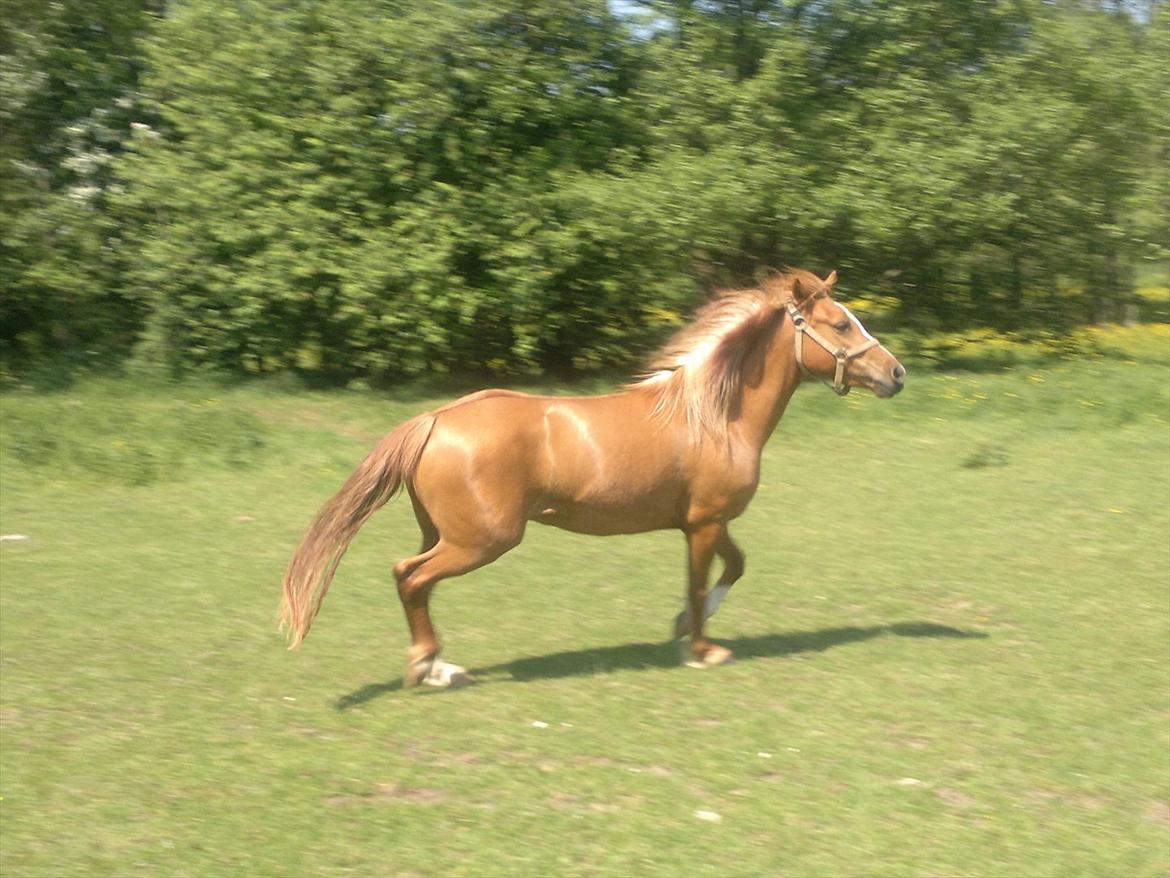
x=378 y=478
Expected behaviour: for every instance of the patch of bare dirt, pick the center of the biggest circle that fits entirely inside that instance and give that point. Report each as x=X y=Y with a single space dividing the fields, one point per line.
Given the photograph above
x=960 y=801
x=388 y=793
x=1159 y=814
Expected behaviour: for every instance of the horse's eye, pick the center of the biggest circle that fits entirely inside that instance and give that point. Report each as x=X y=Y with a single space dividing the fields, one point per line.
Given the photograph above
x=842 y=327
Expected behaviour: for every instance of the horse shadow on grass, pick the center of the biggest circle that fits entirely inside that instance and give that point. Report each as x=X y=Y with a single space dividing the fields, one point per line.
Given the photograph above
x=644 y=656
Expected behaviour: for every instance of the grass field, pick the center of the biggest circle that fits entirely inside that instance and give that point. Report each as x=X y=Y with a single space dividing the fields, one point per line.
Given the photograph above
x=952 y=639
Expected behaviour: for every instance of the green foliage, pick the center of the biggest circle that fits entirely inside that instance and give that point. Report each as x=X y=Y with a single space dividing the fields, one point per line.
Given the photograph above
x=395 y=184
x=68 y=75
x=369 y=188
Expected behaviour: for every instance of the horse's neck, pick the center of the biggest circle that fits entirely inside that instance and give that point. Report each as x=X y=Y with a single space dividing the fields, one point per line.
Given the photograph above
x=765 y=399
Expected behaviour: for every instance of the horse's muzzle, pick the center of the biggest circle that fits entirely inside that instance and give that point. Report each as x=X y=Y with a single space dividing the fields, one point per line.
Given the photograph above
x=891 y=384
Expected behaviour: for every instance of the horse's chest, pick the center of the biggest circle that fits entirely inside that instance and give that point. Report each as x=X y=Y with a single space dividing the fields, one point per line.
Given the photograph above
x=722 y=488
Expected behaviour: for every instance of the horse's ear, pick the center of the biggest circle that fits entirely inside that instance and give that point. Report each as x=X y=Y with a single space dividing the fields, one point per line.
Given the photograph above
x=831 y=279
x=799 y=293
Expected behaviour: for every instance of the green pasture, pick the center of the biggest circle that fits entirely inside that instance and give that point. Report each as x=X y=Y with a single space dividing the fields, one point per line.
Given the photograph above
x=952 y=639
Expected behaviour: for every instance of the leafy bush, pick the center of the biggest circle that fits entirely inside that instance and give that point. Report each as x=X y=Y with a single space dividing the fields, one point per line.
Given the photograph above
x=362 y=188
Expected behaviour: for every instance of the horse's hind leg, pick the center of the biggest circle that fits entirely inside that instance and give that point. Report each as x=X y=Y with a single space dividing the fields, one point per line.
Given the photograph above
x=417 y=578
x=430 y=533
x=413 y=598
x=733 y=567
x=430 y=537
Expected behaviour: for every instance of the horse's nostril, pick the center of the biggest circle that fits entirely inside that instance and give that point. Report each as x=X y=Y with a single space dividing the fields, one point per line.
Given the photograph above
x=899 y=372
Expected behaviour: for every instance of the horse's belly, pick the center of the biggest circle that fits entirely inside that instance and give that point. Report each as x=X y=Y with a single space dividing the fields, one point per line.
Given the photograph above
x=607 y=518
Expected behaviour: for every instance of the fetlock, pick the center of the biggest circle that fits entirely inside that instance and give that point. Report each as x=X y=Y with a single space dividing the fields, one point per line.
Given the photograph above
x=419 y=661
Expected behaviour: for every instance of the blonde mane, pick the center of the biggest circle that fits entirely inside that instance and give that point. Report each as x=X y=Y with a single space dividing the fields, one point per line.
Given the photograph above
x=700 y=371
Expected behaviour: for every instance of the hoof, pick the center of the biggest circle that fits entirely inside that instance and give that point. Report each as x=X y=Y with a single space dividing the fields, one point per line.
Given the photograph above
x=682 y=624
x=444 y=675
x=436 y=673
x=714 y=655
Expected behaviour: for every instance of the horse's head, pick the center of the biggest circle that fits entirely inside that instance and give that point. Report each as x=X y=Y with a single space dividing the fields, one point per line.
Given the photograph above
x=842 y=351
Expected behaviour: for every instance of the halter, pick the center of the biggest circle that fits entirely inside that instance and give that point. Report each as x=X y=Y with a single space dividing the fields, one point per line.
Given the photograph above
x=843 y=355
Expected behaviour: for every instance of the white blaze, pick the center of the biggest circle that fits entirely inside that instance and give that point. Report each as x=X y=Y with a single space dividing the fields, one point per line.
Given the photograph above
x=861 y=327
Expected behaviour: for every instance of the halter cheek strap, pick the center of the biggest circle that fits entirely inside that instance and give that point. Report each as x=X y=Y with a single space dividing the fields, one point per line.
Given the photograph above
x=842 y=355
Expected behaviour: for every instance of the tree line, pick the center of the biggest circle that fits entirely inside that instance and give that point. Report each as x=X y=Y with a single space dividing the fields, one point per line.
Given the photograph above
x=376 y=187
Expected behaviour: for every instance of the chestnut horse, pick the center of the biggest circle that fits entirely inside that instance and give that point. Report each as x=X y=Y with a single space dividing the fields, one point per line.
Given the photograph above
x=679 y=448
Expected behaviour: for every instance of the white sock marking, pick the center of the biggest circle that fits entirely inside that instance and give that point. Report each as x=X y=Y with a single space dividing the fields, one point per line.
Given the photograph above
x=714 y=598
x=442 y=673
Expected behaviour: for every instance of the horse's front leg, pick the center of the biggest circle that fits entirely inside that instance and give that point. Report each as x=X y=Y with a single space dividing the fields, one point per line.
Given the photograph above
x=733 y=567
x=702 y=542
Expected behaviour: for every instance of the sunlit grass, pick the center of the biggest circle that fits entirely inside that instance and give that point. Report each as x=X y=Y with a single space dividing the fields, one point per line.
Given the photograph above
x=952 y=638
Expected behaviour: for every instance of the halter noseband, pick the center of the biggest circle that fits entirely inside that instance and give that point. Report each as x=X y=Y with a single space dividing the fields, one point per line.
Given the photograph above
x=842 y=355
